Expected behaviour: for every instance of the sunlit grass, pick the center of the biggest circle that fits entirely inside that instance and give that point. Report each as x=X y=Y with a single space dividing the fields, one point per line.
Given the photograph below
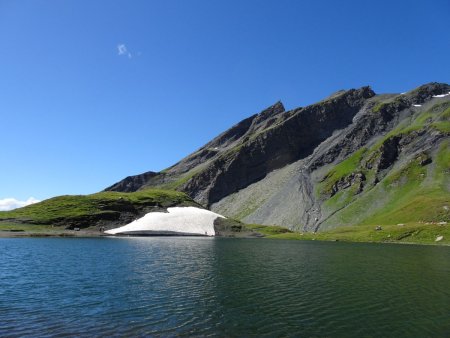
x=419 y=233
x=103 y=204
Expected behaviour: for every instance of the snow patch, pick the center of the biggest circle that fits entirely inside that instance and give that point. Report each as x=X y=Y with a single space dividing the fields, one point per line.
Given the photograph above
x=190 y=220
x=442 y=95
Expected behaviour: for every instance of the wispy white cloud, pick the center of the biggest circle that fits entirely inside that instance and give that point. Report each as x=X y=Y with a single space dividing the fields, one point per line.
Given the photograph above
x=123 y=50
x=12 y=203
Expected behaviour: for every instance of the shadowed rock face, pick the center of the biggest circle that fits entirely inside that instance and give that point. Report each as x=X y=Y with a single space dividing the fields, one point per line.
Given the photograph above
x=257 y=145
x=292 y=138
x=389 y=152
x=291 y=152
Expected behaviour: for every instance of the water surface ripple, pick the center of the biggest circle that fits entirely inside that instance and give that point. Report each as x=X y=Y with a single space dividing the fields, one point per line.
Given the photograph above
x=221 y=287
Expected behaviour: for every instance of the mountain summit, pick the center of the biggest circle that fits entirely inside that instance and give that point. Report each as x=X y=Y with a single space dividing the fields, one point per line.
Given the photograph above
x=355 y=157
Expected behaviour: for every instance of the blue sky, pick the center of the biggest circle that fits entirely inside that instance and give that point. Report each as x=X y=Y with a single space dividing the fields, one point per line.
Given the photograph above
x=93 y=91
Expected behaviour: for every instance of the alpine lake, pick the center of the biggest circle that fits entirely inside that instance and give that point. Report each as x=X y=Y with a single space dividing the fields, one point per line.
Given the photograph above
x=225 y=287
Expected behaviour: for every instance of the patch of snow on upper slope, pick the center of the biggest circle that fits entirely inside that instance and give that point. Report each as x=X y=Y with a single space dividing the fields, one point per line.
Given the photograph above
x=442 y=95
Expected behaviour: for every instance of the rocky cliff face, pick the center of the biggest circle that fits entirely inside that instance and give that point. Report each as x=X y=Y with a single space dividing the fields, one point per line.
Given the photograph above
x=306 y=168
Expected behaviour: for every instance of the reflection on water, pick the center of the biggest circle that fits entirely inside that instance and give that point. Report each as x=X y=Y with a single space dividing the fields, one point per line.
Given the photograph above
x=226 y=287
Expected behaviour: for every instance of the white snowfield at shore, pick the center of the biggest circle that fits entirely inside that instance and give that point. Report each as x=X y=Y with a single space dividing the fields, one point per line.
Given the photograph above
x=190 y=220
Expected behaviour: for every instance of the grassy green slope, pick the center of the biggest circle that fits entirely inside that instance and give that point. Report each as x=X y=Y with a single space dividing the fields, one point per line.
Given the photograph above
x=103 y=205
x=412 y=193
x=417 y=193
x=413 y=233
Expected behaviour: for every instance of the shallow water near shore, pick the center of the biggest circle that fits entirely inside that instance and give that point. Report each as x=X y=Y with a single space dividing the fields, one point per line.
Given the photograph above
x=171 y=286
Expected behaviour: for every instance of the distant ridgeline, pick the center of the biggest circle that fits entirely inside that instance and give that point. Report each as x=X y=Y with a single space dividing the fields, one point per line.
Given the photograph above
x=353 y=158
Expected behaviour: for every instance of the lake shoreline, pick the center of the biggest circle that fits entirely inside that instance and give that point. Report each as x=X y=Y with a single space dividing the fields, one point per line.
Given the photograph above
x=88 y=233
x=57 y=233
x=96 y=234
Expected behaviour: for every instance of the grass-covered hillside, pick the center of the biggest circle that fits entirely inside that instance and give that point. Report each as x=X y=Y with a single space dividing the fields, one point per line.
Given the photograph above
x=412 y=233
x=404 y=177
x=100 y=209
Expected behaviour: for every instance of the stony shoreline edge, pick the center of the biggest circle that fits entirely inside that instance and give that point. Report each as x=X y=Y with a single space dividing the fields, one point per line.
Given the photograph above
x=254 y=235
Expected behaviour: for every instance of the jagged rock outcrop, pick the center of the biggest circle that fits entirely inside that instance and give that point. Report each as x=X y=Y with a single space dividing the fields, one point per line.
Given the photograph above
x=307 y=167
x=388 y=152
x=346 y=182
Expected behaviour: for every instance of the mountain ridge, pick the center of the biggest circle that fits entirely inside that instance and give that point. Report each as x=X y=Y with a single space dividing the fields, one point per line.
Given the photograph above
x=292 y=151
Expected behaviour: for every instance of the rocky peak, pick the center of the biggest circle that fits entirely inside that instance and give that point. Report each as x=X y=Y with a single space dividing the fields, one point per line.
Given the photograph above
x=365 y=92
x=427 y=91
x=357 y=95
x=246 y=126
x=133 y=183
x=265 y=119
x=271 y=111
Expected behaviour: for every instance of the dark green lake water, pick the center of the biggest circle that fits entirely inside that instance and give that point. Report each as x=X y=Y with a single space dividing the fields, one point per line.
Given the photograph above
x=222 y=287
